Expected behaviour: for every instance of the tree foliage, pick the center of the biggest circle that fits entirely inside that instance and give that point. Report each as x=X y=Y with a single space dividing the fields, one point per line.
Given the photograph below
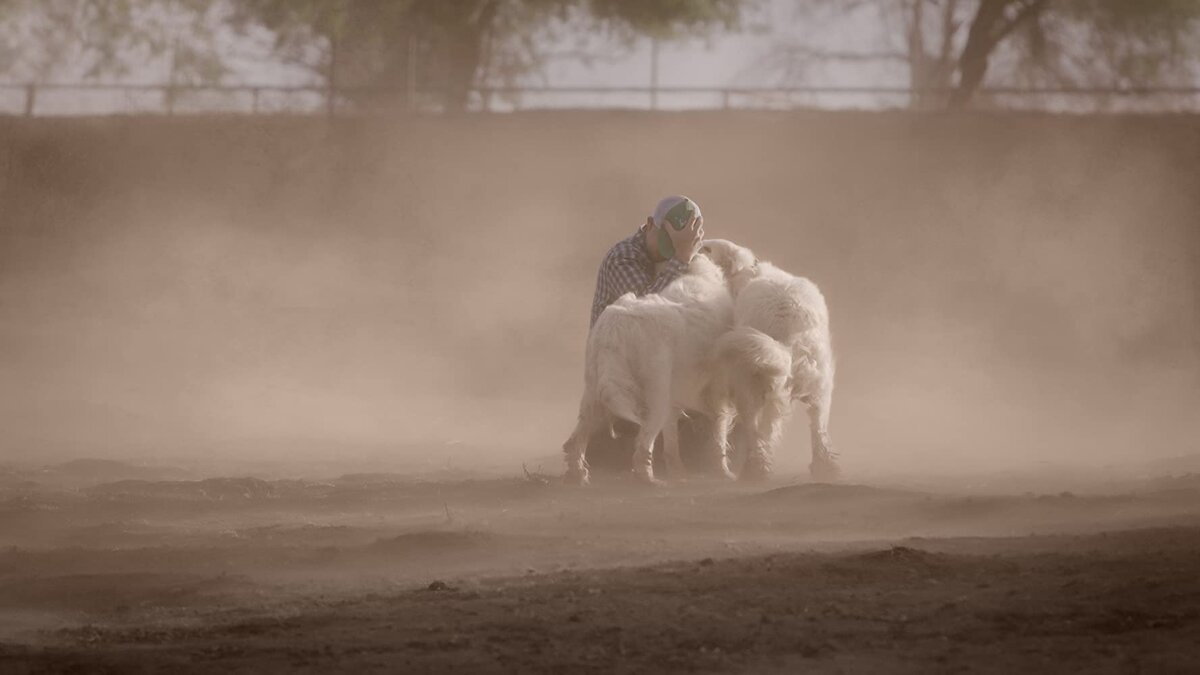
x=41 y=39
x=450 y=46
x=950 y=48
x=446 y=46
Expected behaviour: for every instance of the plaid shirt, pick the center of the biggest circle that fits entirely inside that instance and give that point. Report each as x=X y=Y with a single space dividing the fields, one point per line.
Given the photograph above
x=627 y=268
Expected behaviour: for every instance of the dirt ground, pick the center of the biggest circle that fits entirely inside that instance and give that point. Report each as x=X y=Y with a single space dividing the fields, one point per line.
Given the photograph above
x=110 y=567
x=314 y=355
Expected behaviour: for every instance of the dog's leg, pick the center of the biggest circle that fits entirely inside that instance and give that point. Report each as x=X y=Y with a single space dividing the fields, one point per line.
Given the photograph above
x=756 y=468
x=643 y=452
x=722 y=426
x=824 y=467
x=656 y=393
x=757 y=465
x=776 y=407
x=718 y=398
x=671 y=448
x=576 y=446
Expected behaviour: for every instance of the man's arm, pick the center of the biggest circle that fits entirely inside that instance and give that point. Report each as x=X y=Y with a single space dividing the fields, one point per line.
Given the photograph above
x=670 y=272
x=619 y=276
x=629 y=276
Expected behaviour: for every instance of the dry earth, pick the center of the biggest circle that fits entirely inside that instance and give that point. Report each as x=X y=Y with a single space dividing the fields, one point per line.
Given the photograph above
x=1006 y=290
x=159 y=571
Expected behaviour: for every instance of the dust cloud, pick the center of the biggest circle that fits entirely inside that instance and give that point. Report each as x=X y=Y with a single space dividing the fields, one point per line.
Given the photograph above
x=267 y=387
x=1006 y=290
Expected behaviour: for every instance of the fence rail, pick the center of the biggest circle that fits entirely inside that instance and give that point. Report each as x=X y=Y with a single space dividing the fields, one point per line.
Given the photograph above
x=51 y=98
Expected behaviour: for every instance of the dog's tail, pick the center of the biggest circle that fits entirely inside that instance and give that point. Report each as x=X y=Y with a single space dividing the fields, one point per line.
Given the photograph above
x=754 y=351
x=759 y=367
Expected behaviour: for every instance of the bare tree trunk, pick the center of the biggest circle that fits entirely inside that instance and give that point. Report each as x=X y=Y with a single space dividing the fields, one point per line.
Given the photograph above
x=466 y=54
x=931 y=58
x=989 y=27
x=973 y=63
x=939 y=78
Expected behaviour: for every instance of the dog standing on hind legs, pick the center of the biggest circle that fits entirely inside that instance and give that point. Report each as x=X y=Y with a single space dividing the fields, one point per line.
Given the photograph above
x=780 y=351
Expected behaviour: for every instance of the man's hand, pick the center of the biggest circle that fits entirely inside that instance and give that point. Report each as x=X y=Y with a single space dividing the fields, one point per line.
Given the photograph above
x=687 y=241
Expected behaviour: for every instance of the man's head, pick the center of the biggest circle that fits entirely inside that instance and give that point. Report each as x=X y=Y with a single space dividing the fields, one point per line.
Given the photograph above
x=672 y=215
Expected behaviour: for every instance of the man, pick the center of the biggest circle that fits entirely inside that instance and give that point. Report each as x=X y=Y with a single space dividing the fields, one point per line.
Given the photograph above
x=670 y=237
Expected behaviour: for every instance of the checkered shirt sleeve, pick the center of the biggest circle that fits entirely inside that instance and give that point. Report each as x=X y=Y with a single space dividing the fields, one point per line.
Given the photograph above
x=627 y=269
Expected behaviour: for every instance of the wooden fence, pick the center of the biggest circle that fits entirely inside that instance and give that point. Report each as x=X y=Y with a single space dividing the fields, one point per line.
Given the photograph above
x=32 y=99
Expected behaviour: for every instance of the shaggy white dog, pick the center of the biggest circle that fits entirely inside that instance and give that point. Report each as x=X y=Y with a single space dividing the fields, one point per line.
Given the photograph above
x=648 y=359
x=778 y=352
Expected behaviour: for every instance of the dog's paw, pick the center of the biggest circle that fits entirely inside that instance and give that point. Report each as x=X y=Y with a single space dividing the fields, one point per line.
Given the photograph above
x=755 y=472
x=824 y=470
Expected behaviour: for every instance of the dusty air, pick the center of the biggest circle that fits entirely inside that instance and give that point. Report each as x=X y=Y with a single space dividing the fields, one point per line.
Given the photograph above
x=591 y=336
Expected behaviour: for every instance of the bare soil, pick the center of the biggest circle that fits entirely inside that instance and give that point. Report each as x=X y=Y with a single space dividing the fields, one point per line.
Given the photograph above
x=286 y=307
x=387 y=573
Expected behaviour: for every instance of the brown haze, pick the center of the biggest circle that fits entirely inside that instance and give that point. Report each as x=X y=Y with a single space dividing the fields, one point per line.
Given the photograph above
x=323 y=351
x=1004 y=289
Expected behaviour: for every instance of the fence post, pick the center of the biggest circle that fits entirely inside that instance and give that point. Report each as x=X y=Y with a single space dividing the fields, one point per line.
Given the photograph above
x=254 y=101
x=30 y=98
x=654 y=73
x=170 y=91
x=725 y=99
x=410 y=83
x=331 y=93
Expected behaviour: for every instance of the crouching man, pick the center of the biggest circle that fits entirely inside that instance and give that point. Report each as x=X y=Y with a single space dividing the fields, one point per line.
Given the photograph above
x=644 y=264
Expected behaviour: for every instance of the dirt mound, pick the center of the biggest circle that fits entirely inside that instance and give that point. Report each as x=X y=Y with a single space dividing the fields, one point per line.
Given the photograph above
x=819 y=492
x=209 y=489
x=900 y=554
x=434 y=542
x=1187 y=482
x=93 y=471
x=118 y=592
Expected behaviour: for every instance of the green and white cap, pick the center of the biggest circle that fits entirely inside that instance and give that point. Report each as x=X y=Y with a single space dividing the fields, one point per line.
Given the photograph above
x=676 y=210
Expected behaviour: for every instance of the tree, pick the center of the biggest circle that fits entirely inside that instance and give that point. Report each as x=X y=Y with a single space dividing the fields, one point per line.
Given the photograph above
x=366 y=47
x=949 y=47
x=40 y=39
x=452 y=46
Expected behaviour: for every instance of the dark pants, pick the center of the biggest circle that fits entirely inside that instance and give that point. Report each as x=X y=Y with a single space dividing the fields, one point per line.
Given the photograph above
x=606 y=454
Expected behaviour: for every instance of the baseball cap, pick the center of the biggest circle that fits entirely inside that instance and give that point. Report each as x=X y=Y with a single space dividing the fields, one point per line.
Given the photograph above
x=676 y=210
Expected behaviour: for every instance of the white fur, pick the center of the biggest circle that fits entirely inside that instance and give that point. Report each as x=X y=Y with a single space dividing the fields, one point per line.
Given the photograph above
x=779 y=351
x=648 y=359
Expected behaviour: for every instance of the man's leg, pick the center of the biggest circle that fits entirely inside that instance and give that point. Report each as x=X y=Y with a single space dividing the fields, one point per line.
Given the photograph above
x=611 y=452
x=698 y=444
x=670 y=445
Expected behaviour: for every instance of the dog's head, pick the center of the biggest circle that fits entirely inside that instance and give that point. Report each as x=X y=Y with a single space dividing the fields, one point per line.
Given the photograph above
x=733 y=260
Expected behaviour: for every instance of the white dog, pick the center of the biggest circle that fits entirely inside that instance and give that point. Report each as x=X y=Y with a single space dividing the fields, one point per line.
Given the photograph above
x=779 y=351
x=648 y=359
